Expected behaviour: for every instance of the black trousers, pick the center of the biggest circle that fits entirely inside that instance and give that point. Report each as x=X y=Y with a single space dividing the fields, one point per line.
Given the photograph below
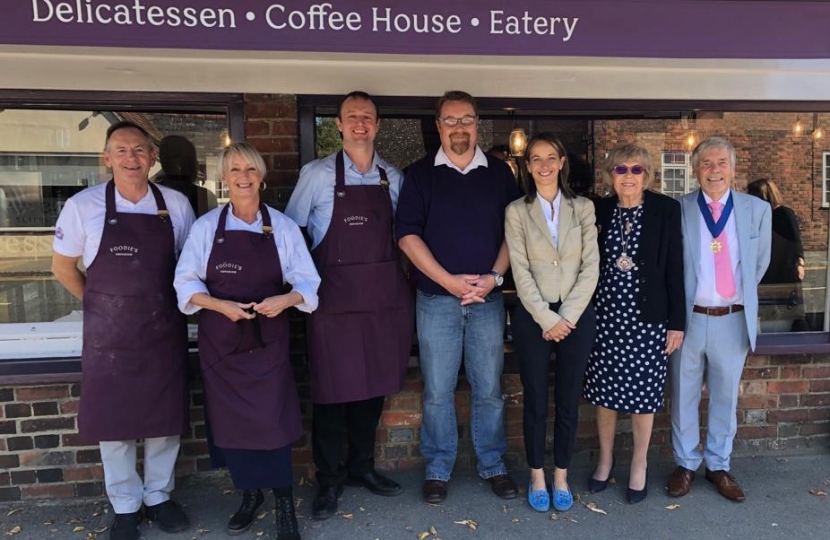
x=336 y=425
x=534 y=354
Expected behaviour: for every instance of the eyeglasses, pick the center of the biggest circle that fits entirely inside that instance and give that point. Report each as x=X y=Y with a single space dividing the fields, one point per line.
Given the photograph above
x=623 y=170
x=465 y=121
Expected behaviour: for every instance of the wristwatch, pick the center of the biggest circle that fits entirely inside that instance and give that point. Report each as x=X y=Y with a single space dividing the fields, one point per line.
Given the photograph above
x=498 y=277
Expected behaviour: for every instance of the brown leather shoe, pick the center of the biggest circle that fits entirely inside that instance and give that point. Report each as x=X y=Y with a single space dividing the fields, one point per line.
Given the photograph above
x=680 y=481
x=727 y=485
x=504 y=486
x=435 y=491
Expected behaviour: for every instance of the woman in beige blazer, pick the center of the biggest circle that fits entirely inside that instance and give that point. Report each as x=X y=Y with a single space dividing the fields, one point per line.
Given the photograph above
x=552 y=238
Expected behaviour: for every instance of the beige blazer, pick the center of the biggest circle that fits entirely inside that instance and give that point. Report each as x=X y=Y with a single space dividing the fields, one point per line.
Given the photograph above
x=545 y=274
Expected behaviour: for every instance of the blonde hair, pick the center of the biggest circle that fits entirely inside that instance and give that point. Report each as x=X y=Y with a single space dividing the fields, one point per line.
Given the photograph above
x=246 y=151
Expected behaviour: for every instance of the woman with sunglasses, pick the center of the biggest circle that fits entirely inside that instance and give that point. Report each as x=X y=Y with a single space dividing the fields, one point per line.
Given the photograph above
x=552 y=238
x=243 y=265
x=640 y=307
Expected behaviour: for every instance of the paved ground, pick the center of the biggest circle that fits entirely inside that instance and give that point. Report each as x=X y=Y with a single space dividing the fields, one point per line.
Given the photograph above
x=786 y=499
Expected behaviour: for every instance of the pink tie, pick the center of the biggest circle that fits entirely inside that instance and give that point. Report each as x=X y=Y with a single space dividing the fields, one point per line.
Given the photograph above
x=724 y=280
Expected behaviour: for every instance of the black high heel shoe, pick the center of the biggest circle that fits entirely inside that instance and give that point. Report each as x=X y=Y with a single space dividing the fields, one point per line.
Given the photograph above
x=595 y=486
x=638 y=495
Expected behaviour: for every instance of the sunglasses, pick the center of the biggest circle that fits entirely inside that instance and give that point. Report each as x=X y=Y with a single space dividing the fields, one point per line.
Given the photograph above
x=635 y=169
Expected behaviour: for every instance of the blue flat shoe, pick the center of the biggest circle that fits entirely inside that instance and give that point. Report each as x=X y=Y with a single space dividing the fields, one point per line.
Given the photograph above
x=538 y=500
x=562 y=500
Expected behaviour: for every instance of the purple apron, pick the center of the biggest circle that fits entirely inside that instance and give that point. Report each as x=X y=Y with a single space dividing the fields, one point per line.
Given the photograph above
x=133 y=382
x=360 y=336
x=250 y=396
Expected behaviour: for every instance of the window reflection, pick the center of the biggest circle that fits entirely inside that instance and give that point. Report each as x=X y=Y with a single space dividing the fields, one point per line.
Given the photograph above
x=46 y=156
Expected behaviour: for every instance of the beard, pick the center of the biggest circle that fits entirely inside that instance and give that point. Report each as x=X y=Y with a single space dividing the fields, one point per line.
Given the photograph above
x=460 y=144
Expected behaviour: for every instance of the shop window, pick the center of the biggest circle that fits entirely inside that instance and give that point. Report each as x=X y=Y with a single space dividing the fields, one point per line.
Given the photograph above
x=825 y=178
x=676 y=174
x=46 y=156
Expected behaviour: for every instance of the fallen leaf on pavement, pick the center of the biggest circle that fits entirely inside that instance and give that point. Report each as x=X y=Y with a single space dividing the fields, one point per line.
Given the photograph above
x=515 y=520
x=423 y=535
x=262 y=515
x=78 y=529
x=468 y=522
x=673 y=507
x=14 y=511
x=13 y=531
x=592 y=506
x=818 y=492
x=433 y=530
x=228 y=491
x=554 y=517
x=49 y=522
x=99 y=531
x=348 y=516
x=203 y=530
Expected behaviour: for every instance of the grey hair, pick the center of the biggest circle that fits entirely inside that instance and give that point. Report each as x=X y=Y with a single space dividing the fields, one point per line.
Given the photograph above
x=623 y=153
x=713 y=142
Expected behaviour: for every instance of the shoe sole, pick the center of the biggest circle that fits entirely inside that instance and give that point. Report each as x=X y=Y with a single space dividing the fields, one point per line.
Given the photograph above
x=236 y=532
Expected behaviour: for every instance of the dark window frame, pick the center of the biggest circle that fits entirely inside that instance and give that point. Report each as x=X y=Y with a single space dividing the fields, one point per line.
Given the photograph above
x=52 y=370
x=311 y=106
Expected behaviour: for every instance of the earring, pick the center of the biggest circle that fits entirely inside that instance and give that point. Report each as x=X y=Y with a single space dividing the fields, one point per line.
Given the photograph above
x=262 y=185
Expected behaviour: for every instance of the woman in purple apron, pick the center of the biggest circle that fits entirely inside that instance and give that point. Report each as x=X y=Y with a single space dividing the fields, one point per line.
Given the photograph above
x=236 y=266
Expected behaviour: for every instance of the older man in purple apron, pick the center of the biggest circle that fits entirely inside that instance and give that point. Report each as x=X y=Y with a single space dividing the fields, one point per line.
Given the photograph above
x=360 y=337
x=133 y=384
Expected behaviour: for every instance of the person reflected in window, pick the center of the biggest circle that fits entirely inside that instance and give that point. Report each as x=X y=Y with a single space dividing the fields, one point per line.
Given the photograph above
x=233 y=270
x=641 y=312
x=180 y=171
x=552 y=241
x=780 y=294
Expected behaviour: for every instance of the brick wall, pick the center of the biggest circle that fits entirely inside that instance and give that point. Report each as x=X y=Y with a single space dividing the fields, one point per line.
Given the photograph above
x=784 y=407
x=766 y=147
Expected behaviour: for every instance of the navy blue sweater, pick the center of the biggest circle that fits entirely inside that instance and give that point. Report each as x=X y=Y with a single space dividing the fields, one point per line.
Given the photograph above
x=460 y=217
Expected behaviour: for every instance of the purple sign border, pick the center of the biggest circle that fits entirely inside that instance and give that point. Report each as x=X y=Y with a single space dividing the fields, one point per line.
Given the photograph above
x=613 y=28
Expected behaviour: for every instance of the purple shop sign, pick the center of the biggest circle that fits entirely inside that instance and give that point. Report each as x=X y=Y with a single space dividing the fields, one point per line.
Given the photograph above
x=618 y=28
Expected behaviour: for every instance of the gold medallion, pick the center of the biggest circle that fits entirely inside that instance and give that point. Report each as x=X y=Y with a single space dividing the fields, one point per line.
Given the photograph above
x=715 y=246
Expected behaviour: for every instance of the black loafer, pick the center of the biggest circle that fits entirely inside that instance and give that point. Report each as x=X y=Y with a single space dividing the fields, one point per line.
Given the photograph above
x=169 y=516
x=241 y=521
x=377 y=484
x=325 y=503
x=125 y=526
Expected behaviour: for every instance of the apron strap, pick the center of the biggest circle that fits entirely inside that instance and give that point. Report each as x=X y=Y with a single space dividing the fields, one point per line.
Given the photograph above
x=339 y=175
x=163 y=213
x=267 y=228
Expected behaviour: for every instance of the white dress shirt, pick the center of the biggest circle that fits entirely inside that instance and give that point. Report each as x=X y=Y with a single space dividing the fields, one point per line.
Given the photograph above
x=552 y=215
x=296 y=263
x=707 y=294
x=479 y=160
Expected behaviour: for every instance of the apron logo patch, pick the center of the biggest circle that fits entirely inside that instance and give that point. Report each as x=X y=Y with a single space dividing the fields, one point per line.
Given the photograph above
x=228 y=268
x=124 y=251
x=351 y=221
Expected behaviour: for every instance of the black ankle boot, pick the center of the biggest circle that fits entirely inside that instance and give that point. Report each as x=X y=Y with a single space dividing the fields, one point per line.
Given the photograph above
x=286 y=518
x=245 y=515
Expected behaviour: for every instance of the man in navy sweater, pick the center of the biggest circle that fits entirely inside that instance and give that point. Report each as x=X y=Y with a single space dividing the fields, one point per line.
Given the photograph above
x=450 y=223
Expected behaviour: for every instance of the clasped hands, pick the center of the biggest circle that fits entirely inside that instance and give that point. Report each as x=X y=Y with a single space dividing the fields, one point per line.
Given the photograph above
x=270 y=307
x=470 y=288
x=559 y=331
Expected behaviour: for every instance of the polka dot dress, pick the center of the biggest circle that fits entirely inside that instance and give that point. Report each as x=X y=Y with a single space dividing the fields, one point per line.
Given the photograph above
x=627 y=369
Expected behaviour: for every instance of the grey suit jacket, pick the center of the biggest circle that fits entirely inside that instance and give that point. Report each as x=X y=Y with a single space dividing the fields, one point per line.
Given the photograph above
x=753 y=220
x=546 y=274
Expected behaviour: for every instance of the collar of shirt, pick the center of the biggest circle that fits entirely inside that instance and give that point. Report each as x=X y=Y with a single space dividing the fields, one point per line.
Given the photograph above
x=349 y=164
x=244 y=225
x=722 y=200
x=148 y=198
x=479 y=160
x=546 y=206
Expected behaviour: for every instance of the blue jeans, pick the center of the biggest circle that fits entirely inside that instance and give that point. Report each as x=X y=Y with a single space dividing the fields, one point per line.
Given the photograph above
x=445 y=330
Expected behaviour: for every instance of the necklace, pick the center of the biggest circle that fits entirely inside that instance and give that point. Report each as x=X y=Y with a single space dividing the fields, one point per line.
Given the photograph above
x=624 y=262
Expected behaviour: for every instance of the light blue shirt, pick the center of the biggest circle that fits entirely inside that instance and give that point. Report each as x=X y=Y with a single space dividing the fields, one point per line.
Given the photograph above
x=312 y=202
x=297 y=266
